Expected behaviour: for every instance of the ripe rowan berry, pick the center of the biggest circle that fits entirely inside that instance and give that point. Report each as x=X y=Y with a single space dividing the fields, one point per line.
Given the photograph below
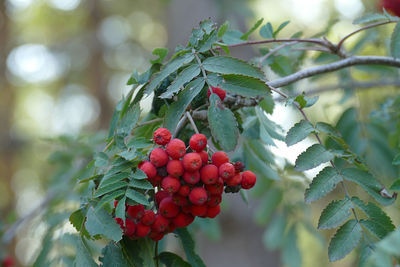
x=175 y=168
x=184 y=190
x=218 y=91
x=248 y=179
x=199 y=210
x=148 y=217
x=192 y=162
x=171 y=227
x=204 y=157
x=142 y=230
x=191 y=177
x=209 y=174
x=176 y=148
x=216 y=188
x=156 y=236
x=130 y=227
x=160 y=224
x=148 y=169
x=393 y=6
x=226 y=171
x=213 y=211
x=168 y=208
x=183 y=220
x=198 y=196
x=120 y=222
x=219 y=158
x=214 y=200
x=235 y=180
x=171 y=184
x=136 y=211
x=198 y=142
x=162 y=136
x=180 y=200
x=160 y=195
x=159 y=157
x=187 y=209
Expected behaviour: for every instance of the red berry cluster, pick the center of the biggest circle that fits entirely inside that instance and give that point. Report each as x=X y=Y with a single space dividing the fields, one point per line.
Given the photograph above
x=187 y=185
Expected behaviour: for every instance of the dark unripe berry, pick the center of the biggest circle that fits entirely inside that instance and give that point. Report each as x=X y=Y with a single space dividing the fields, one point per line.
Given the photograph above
x=191 y=177
x=160 y=195
x=184 y=190
x=209 y=174
x=198 y=142
x=213 y=211
x=248 y=179
x=162 y=171
x=171 y=184
x=136 y=211
x=200 y=211
x=148 y=217
x=162 y=136
x=160 y=224
x=214 y=200
x=239 y=166
x=175 y=168
x=204 y=157
x=130 y=227
x=235 y=180
x=183 y=220
x=148 y=169
x=142 y=230
x=158 y=157
x=156 y=236
x=176 y=148
x=226 y=171
x=168 y=208
x=192 y=162
x=219 y=158
x=198 y=196
x=218 y=91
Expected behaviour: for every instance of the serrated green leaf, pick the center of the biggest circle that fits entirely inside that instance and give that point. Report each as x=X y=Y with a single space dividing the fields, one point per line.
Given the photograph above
x=244 y=85
x=129 y=154
x=83 y=257
x=252 y=29
x=396 y=185
x=113 y=178
x=345 y=240
x=368 y=18
x=283 y=25
x=189 y=247
x=120 y=210
x=129 y=120
x=138 y=142
x=267 y=104
x=161 y=53
x=222 y=30
x=335 y=214
x=185 y=76
x=100 y=222
x=396 y=160
x=115 y=118
x=172 y=260
x=232 y=37
x=119 y=165
x=137 y=197
x=299 y=132
x=374 y=228
x=141 y=184
x=368 y=183
x=305 y=101
x=395 y=42
x=100 y=159
x=110 y=188
x=222 y=124
x=168 y=69
x=77 y=218
x=313 y=157
x=108 y=198
x=208 y=42
x=325 y=181
x=267 y=31
x=327 y=129
x=113 y=256
x=230 y=65
x=176 y=110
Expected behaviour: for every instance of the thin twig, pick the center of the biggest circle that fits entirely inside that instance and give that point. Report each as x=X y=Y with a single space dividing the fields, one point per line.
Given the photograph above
x=180 y=125
x=275 y=50
x=192 y=122
x=285 y=40
x=156 y=254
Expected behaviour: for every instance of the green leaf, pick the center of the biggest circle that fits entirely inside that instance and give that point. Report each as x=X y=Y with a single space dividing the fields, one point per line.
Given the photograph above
x=101 y=159
x=368 y=18
x=232 y=37
x=113 y=178
x=230 y=65
x=335 y=214
x=189 y=248
x=128 y=154
x=161 y=53
x=120 y=210
x=268 y=205
x=108 y=198
x=244 y=85
x=283 y=25
x=327 y=128
x=83 y=257
x=325 y=181
x=272 y=238
x=168 y=69
x=305 y=101
x=115 y=118
x=299 y=132
x=176 y=110
x=129 y=120
x=255 y=26
x=245 y=196
x=368 y=183
x=113 y=256
x=267 y=104
x=110 y=188
x=291 y=255
x=345 y=240
x=374 y=228
x=395 y=42
x=266 y=31
x=396 y=160
x=137 y=197
x=139 y=175
x=313 y=157
x=222 y=123
x=77 y=218
x=208 y=42
x=396 y=185
x=222 y=30
x=172 y=260
x=100 y=222
x=185 y=76
x=141 y=184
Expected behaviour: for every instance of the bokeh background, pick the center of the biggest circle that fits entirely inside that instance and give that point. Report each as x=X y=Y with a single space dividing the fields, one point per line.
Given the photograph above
x=64 y=65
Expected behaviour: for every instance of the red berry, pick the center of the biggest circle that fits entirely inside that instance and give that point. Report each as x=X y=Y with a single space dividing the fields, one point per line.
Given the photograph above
x=183 y=220
x=198 y=196
x=214 y=200
x=198 y=142
x=162 y=136
x=235 y=180
x=176 y=148
x=156 y=236
x=120 y=222
x=218 y=91
x=160 y=195
x=187 y=209
x=191 y=177
x=171 y=184
x=184 y=190
x=226 y=171
x=393 y=6
x=142 y=230
x=168 y=208
x=209 y=174
x=160 y=224
x=171 y=227
x=130 y=227
x=159 y=157
x=115 y=203
x=248 y=179
x=213 y=211
x=180 y=200
x=217 y=188
x=192 y=162
x=204 y=157
x=219 y=158
x=136 y=211
x=175 y=168
x=156 y=180
x=8 y=261
x=199 y=210
x=239 y=166
x=148 y=217
x=148 y=169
